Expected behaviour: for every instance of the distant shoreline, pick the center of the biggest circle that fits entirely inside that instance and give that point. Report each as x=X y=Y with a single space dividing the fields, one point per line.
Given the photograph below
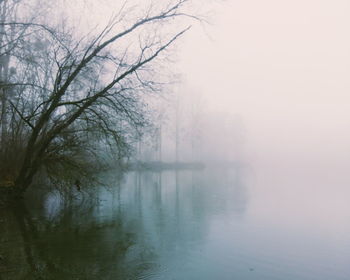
x=160 y=166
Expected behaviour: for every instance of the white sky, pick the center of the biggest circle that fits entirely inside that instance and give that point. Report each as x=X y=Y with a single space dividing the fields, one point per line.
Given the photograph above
x=284 y=66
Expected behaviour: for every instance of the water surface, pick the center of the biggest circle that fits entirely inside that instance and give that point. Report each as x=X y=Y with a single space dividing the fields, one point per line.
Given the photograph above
x=267 y=222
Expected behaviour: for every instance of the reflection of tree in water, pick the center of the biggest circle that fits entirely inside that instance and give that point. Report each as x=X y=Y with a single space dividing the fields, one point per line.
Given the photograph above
x=133 y=229
x=221 y=191
x=175 y=209
x=215 y=192
x=75 y=243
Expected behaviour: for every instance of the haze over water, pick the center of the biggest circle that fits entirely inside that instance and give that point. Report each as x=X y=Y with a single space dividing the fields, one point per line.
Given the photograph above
x=282 y=213
x=238 y=223
x=283 y=67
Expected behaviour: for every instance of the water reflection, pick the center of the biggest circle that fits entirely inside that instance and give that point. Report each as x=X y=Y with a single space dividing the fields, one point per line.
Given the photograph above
x=211 y=224
x=148 y=225
x=74 y=245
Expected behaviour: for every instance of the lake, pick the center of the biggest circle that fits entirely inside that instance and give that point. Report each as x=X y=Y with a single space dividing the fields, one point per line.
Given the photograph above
x=244 y=222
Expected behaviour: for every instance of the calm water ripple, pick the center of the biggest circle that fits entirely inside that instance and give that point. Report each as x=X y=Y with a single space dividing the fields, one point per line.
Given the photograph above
x=211 y=224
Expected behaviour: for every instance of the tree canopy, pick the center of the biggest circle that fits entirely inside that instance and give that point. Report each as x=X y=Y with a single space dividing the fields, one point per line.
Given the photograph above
x=64 y=93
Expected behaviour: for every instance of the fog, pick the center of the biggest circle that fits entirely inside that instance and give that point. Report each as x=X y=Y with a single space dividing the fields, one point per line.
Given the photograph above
x=152 y=150
x=283 y=67
x=278 y=69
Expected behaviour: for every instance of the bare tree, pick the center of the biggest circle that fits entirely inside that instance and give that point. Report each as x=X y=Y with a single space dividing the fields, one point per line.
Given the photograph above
x=8 y=38
x=68 y=89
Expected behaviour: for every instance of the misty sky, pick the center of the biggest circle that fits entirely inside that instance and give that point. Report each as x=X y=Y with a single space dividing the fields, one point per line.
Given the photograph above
x=283 y=66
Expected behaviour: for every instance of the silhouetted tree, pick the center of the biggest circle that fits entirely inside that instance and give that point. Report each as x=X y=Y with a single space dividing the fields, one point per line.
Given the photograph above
x=68 y=90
